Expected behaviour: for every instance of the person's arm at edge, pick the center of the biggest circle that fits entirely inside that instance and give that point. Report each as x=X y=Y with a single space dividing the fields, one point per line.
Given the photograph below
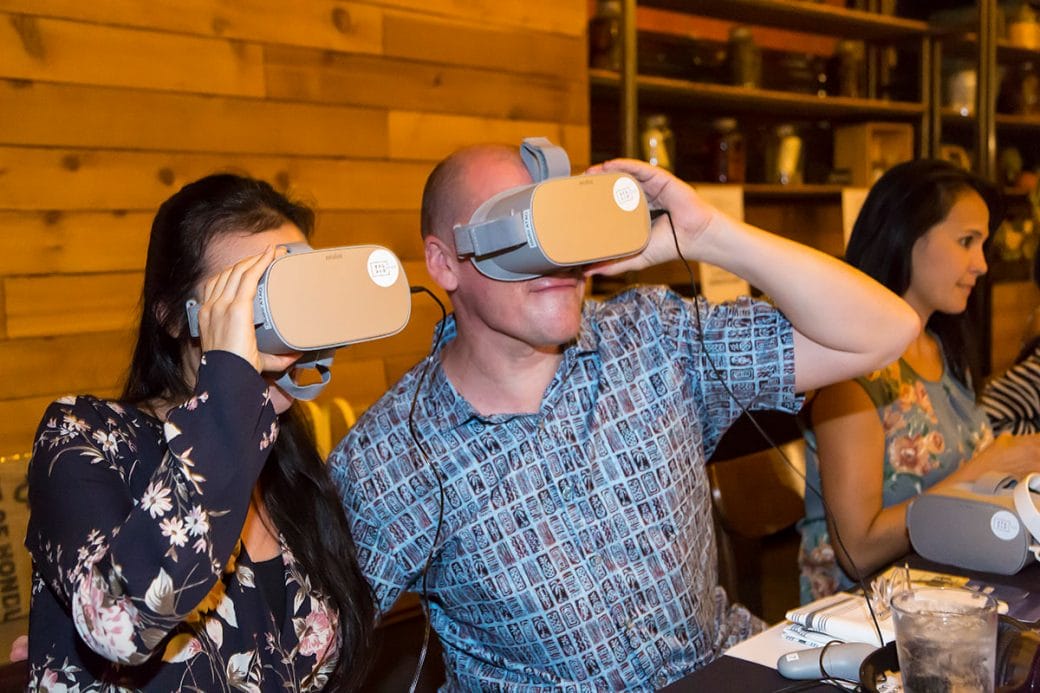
x=1012 y=400
x=845 y=323
x=851 y=453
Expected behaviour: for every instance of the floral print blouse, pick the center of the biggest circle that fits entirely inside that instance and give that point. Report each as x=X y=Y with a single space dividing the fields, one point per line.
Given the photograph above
x=930 y=428
x=139 y=577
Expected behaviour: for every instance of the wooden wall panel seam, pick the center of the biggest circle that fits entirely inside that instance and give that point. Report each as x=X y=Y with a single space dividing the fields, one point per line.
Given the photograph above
x=66 y=51
x=455 y=42
x=303 y=75
x=294 y=33
x=572 y=22
x=122 y=118
x=72 y=179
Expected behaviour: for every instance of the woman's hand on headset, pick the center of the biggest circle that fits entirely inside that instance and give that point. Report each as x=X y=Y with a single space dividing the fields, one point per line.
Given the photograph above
x=226 y=313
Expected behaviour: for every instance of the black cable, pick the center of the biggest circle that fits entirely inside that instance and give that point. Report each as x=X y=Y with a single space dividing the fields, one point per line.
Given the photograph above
x=707 y=355
x=425 y=597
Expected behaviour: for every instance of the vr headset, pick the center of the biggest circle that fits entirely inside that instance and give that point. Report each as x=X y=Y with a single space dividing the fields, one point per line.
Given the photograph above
x=991 y=524
x=317 y=301
x=558 y=222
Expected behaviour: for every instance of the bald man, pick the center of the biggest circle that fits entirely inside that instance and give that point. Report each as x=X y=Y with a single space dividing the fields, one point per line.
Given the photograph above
x=576 y=549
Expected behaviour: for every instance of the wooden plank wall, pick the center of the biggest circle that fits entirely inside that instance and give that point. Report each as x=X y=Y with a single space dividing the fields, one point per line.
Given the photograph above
x=109 y=107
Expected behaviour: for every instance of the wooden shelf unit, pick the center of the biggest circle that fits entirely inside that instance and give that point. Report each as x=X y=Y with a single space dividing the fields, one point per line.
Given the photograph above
x=704 y=96
x=801 y=16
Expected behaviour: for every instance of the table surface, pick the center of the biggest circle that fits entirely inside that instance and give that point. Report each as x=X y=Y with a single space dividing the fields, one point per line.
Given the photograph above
x=733 y=674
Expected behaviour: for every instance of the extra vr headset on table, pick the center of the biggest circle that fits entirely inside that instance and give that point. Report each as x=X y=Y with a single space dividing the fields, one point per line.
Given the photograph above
x=316 y=301
x=991 y=524
x=556 y=223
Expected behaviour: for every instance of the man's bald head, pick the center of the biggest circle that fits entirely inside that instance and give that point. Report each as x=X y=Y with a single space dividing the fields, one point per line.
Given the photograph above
x=463 y=181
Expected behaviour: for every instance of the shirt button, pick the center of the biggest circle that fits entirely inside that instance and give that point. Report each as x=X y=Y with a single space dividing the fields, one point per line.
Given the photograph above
x=662 y=680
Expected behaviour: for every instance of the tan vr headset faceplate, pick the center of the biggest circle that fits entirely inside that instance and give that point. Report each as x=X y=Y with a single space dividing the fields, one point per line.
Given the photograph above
x=317 y=300
x=330 y=298
x=557 y=224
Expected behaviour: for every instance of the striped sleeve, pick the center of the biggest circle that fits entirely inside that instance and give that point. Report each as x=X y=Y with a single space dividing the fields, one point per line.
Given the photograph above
x=1012 y=401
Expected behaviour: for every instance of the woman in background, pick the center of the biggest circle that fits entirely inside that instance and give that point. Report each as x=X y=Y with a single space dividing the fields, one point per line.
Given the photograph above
x=188 y=536
x=1012 y=401
x=877 y=441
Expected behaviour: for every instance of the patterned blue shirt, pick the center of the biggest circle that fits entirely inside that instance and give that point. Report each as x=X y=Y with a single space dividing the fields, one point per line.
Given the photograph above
x=577 y=549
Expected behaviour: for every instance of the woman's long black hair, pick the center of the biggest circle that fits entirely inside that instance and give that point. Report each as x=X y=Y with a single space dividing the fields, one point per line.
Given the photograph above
x=903 y=204
x=297 y=492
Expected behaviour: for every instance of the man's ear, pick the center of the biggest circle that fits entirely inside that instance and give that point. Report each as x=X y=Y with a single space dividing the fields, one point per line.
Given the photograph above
x=441 y=262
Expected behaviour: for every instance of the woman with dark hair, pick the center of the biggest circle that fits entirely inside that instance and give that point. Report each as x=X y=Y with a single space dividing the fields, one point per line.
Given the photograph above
x=875 y=442
x=1012 y=401
x=188 y=536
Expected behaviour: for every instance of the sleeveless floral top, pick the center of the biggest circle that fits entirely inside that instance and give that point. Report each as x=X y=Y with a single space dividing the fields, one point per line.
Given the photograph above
x=930 y=428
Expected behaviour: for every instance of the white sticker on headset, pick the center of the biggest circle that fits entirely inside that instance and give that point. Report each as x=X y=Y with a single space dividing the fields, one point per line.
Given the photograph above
x=382 y=267
x=525 y=217
x=626 y=194
x=1004 y=525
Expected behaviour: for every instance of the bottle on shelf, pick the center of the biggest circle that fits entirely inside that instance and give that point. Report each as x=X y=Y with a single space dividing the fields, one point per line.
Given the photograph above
x=658 y=142
x=745 y=58
x=1020 y=91
x=785 y=156
x=605 y=36
x=960 y=85
x=851 y=60
x=727 y=152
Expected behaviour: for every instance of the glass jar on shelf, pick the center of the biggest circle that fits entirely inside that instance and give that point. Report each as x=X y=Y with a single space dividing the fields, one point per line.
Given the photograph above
x=785 y=156
x=851 y=60
x=960 y=84
x=727 y=152
x=605 y=36
x=658 y=142
x=745 y=58
x=1028 y=101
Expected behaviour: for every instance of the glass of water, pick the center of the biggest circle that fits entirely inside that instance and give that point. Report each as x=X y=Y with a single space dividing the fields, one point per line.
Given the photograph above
x=946 y=639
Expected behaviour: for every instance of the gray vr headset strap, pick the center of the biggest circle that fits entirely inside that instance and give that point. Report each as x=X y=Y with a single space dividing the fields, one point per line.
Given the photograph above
x=321 y=361
x=486 y=238
x=192 y=307
x=544 y=159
